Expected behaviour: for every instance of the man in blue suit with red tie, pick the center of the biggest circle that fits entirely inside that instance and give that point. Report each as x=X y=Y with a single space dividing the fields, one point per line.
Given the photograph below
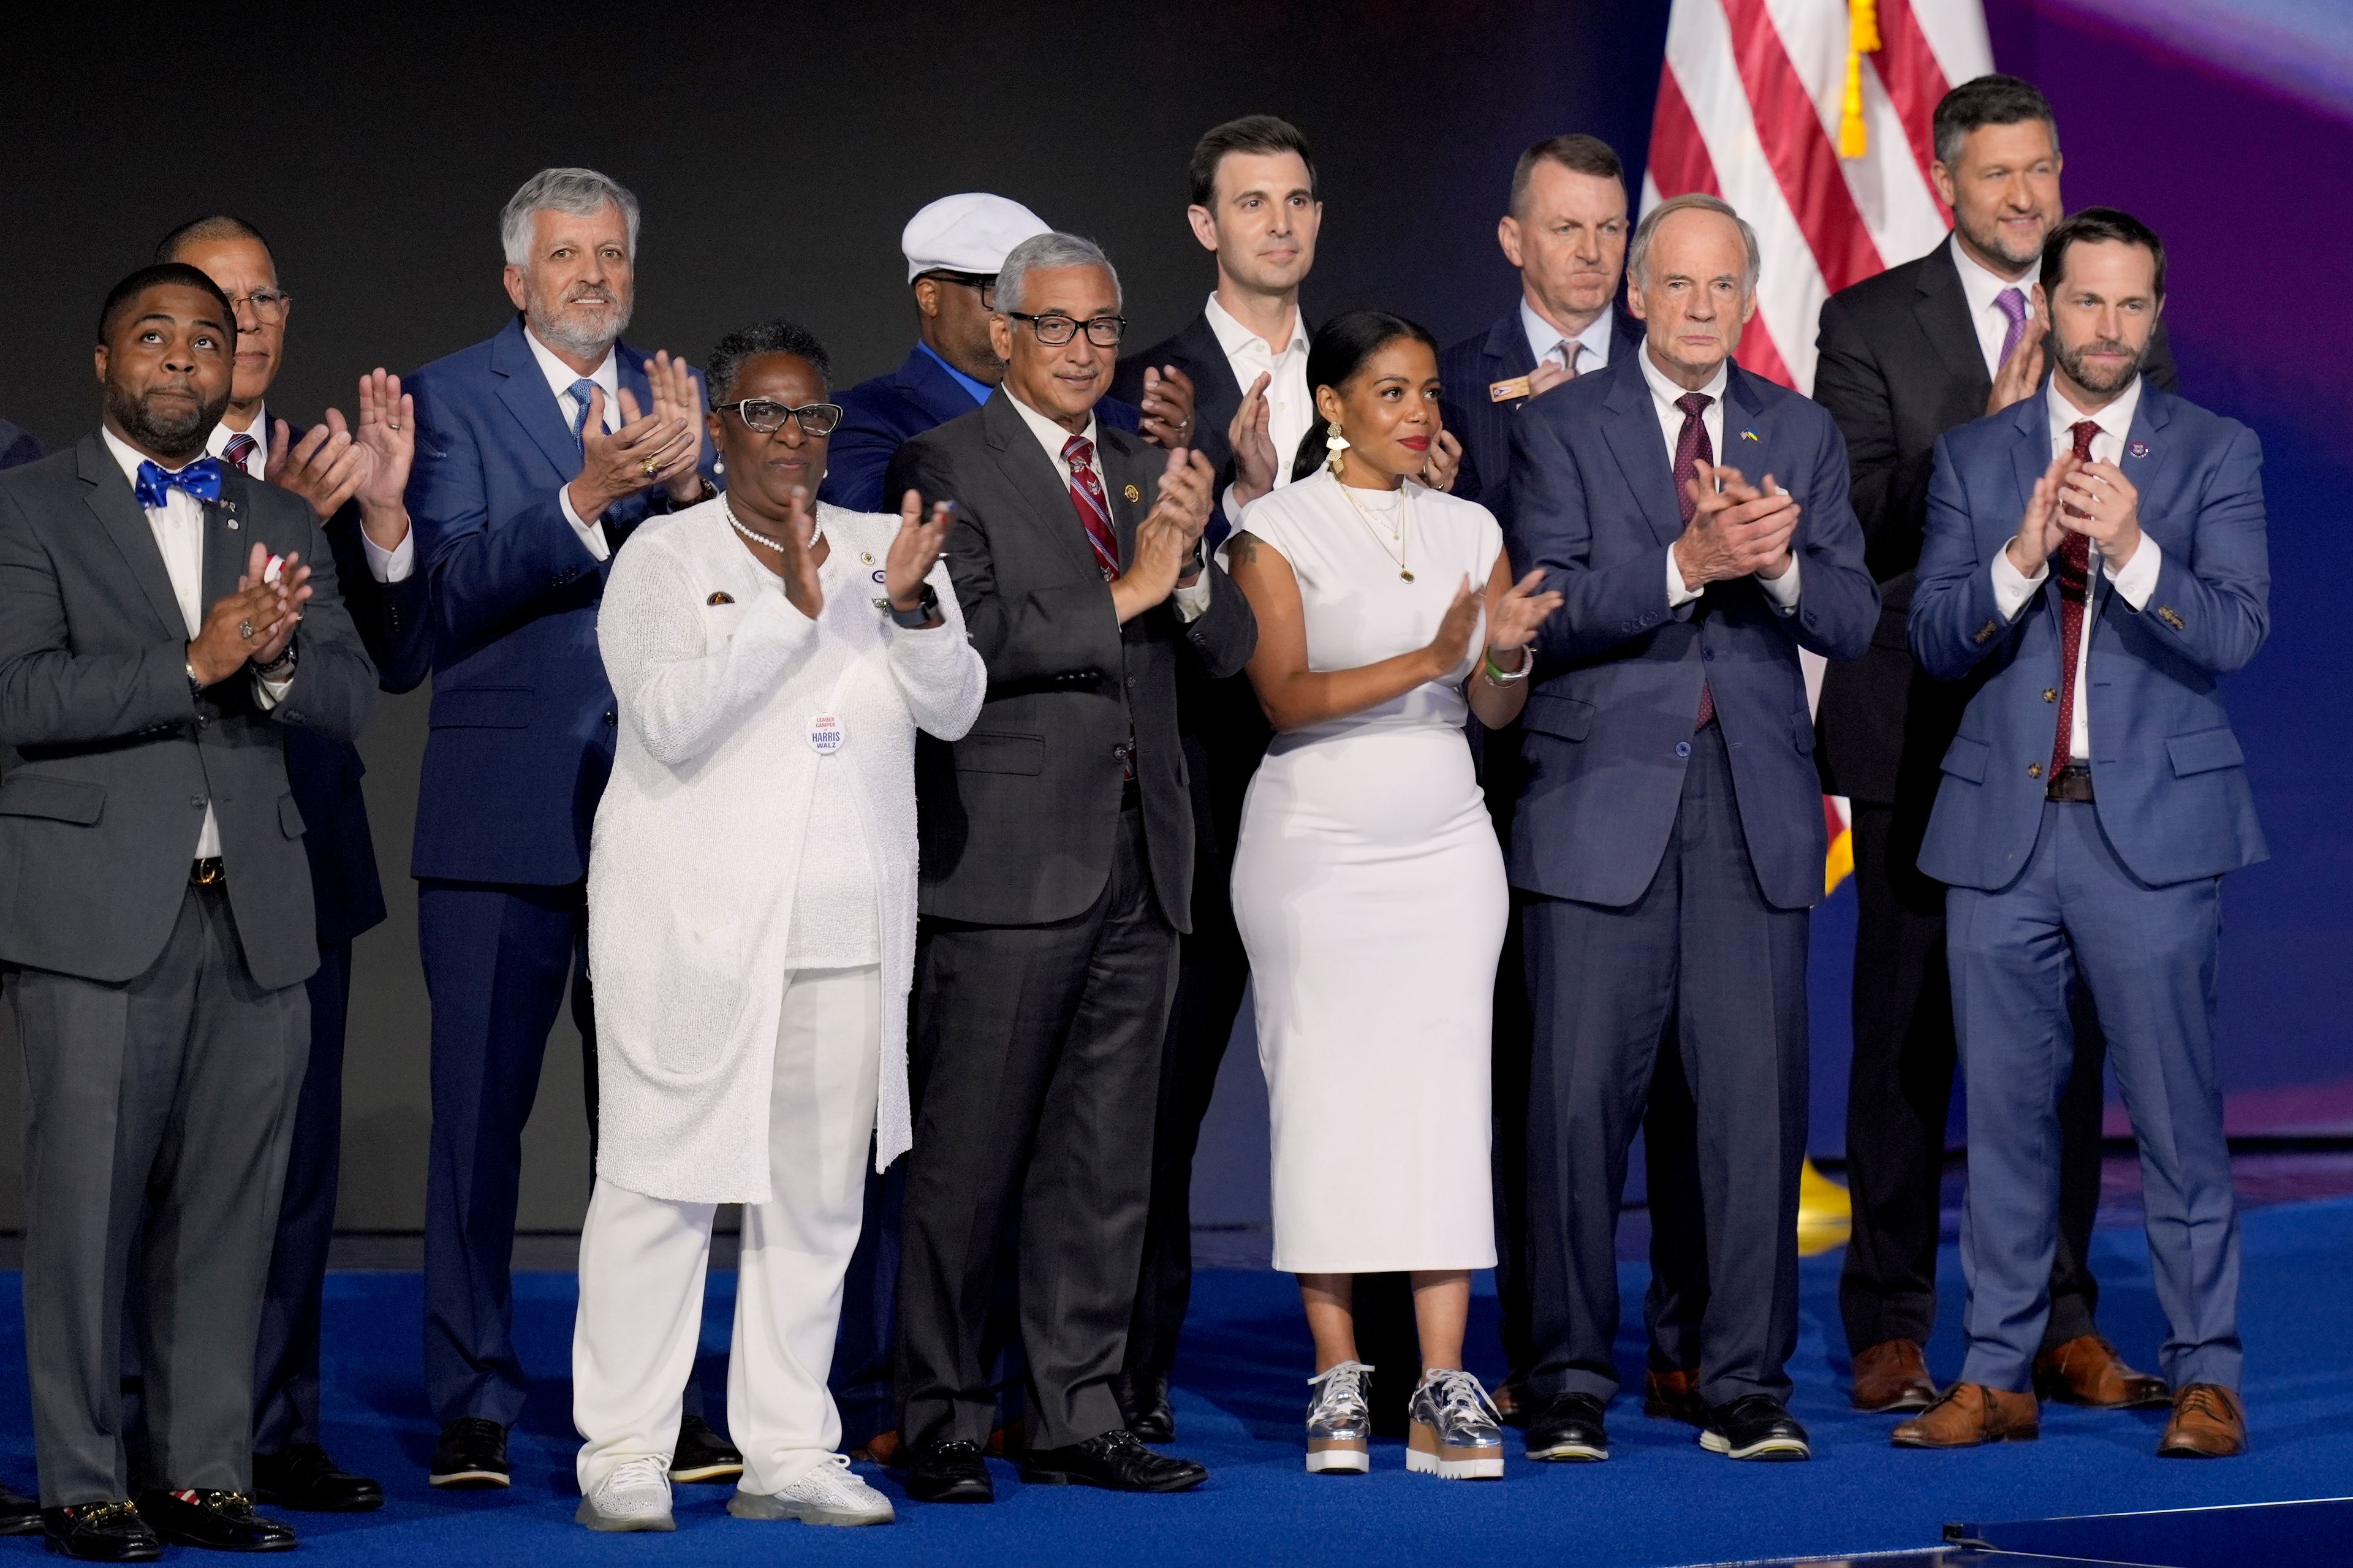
x=1667 y=842
x=537 y=453
x=2095 y=562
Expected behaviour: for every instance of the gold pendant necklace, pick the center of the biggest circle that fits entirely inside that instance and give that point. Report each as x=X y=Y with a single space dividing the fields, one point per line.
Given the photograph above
x=1404 y=523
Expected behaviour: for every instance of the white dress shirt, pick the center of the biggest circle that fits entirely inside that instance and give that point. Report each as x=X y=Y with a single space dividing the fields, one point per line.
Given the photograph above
x=179 y=529
x=560 y=377
x=1981 y=288
x=392 y=565
x=1590 y=348
x=2136 y=580
x=1289 y=401
x=1190 y=602
x=1781 y=591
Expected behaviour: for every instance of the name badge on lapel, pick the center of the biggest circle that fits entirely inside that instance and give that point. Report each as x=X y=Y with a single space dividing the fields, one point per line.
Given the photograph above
x=1506 y=391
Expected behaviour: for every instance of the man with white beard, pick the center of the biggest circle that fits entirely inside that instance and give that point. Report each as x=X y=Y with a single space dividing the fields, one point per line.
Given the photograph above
x=537 y=453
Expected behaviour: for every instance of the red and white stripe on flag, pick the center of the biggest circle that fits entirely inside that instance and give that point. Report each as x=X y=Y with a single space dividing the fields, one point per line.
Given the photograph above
x=1753 y=101
x=1812 y=119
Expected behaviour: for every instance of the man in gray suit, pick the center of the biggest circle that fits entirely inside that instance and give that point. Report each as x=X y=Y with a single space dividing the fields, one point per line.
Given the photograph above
x=156 y=925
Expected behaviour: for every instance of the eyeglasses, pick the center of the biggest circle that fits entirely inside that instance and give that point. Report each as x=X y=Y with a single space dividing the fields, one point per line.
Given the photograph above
x=768 y=415
x=986 y=282
x=269 y=304
x=1054 y=330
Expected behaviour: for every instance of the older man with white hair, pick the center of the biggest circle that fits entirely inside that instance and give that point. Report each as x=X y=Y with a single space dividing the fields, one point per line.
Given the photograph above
x=537 y=453
x=1667 y=841
x=1057 y=871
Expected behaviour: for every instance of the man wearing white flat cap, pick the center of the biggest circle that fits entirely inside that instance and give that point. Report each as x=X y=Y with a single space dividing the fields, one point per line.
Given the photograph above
x=953 y=247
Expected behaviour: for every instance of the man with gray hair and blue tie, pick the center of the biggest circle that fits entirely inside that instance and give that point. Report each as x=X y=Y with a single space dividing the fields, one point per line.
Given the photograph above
x=537 y=453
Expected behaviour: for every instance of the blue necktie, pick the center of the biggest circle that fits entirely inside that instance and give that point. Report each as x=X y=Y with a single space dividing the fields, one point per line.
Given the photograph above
x=580 y=391
x=201 y=479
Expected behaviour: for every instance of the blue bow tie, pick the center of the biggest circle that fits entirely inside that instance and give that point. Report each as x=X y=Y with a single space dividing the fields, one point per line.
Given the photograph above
x=201 y=479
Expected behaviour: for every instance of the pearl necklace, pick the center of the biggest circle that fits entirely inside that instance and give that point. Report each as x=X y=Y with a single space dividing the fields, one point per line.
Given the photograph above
x=816 y=529
x=1381 y=535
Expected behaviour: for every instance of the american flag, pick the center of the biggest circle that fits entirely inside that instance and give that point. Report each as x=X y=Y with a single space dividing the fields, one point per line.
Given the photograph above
x=1811 y=118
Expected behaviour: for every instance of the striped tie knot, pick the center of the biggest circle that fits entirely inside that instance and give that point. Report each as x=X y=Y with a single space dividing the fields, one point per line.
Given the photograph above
x=239 y=448
x=1093 y=506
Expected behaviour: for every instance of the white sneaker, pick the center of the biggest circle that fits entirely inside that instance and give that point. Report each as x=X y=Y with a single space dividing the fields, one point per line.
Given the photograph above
x=829 y=1494
x=636 y=1496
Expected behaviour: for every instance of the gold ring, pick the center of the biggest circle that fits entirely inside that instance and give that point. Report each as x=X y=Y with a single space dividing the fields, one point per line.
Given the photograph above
x=651 y=468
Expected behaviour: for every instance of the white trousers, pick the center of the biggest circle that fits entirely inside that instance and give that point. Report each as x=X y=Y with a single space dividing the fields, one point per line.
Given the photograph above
x=642 y=1262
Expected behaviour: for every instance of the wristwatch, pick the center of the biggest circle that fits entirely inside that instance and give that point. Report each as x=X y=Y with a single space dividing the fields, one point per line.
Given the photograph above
x=195 y=684
x=1500 y=677
x=926 y=610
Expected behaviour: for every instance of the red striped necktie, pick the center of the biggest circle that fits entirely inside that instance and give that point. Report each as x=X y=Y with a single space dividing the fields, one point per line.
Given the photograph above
x=1094 y=506
x=240 y=448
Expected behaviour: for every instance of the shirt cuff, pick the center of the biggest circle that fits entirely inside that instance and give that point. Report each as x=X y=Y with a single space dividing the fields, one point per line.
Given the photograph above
x=1781 y=590
x=592 y=534
x=2011 y=587
x=1677 y=593
x=268 y=693
x=393 y=565
x=2137 y=581
x=1225 y=504
x=1193 y=603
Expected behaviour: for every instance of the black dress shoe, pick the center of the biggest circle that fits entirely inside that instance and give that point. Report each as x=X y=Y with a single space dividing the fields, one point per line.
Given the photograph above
x=215 y=1521
x=19 y=1515
x=1755 y=1426
x=1149 y=1414
x=472 y=1455
x=951 y=1471
x=1114 y=1461
x=301 y=1476
x=703 y=1455
x=1568 y=1426
x=100 y=1532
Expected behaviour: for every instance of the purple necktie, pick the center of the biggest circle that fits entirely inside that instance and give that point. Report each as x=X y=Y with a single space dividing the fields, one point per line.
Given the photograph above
x=2010 y=303
x=1691 y=449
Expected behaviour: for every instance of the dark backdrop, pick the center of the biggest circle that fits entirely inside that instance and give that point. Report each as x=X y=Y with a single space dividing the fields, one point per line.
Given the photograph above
x=777 y=151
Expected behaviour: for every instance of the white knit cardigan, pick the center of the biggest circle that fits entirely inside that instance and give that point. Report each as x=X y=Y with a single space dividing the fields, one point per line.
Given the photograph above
x=699 y=838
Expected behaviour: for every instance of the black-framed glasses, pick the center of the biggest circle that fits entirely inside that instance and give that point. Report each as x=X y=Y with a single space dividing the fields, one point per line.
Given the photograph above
x=768 y=415
x=1054 y=329
x=983 y=282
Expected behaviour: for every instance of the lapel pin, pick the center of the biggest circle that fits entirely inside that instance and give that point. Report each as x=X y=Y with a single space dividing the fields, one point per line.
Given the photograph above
x=232 y=522
x=720 y=597
x=1749 y=436
x=866 y=558
x=2138 y=448
x=1131 y=493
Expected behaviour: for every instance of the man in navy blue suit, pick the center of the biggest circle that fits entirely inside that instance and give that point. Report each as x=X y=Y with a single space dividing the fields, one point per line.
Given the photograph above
x=2095 y=562
x=1668 y=841
x=954 y=247
x=537 y=453
x=353 y=477
x=1565 y=232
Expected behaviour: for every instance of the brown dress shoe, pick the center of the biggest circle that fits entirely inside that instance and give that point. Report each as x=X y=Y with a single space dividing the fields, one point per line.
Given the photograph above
x=1969 y=1413
x=2208 y=1423
x=1674 y=1396
x=1893 y=1376
x=2087 y=1370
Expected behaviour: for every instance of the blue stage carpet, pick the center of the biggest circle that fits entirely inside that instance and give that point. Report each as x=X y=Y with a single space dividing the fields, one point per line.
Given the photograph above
x=1661 y=1500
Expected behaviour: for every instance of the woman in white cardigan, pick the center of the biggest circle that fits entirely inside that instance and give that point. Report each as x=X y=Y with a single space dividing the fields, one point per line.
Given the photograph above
x=752 y=930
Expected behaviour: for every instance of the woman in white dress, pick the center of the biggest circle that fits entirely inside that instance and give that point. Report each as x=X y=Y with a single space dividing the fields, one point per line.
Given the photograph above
x=752 y=928
x=1367 y=882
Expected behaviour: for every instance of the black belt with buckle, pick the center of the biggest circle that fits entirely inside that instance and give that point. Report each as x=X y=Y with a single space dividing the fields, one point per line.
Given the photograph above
x=206 y=872
x=2072 y=783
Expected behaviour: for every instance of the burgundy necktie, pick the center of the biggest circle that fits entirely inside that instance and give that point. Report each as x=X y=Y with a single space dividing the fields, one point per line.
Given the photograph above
x=2072 y=564
x=1094 y=508
x=240 y=447
x=1094 y=515
x=1691 y=449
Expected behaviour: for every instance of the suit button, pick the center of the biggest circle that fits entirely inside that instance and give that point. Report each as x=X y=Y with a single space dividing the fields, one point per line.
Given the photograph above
x=1131 y=681
x=1682 y=747
x=2035 y=770
x=609 y=717
x=1707 y=654
x=2050 y=694
x=1118 y=754
x=196 y=801
x=203 y=720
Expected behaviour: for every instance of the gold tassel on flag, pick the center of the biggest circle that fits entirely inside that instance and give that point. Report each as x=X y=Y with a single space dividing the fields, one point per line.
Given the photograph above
x=1862 y=38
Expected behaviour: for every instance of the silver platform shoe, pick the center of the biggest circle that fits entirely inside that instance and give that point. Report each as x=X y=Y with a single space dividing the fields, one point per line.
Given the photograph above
x=1456 y=1431
x=1339 y=1421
